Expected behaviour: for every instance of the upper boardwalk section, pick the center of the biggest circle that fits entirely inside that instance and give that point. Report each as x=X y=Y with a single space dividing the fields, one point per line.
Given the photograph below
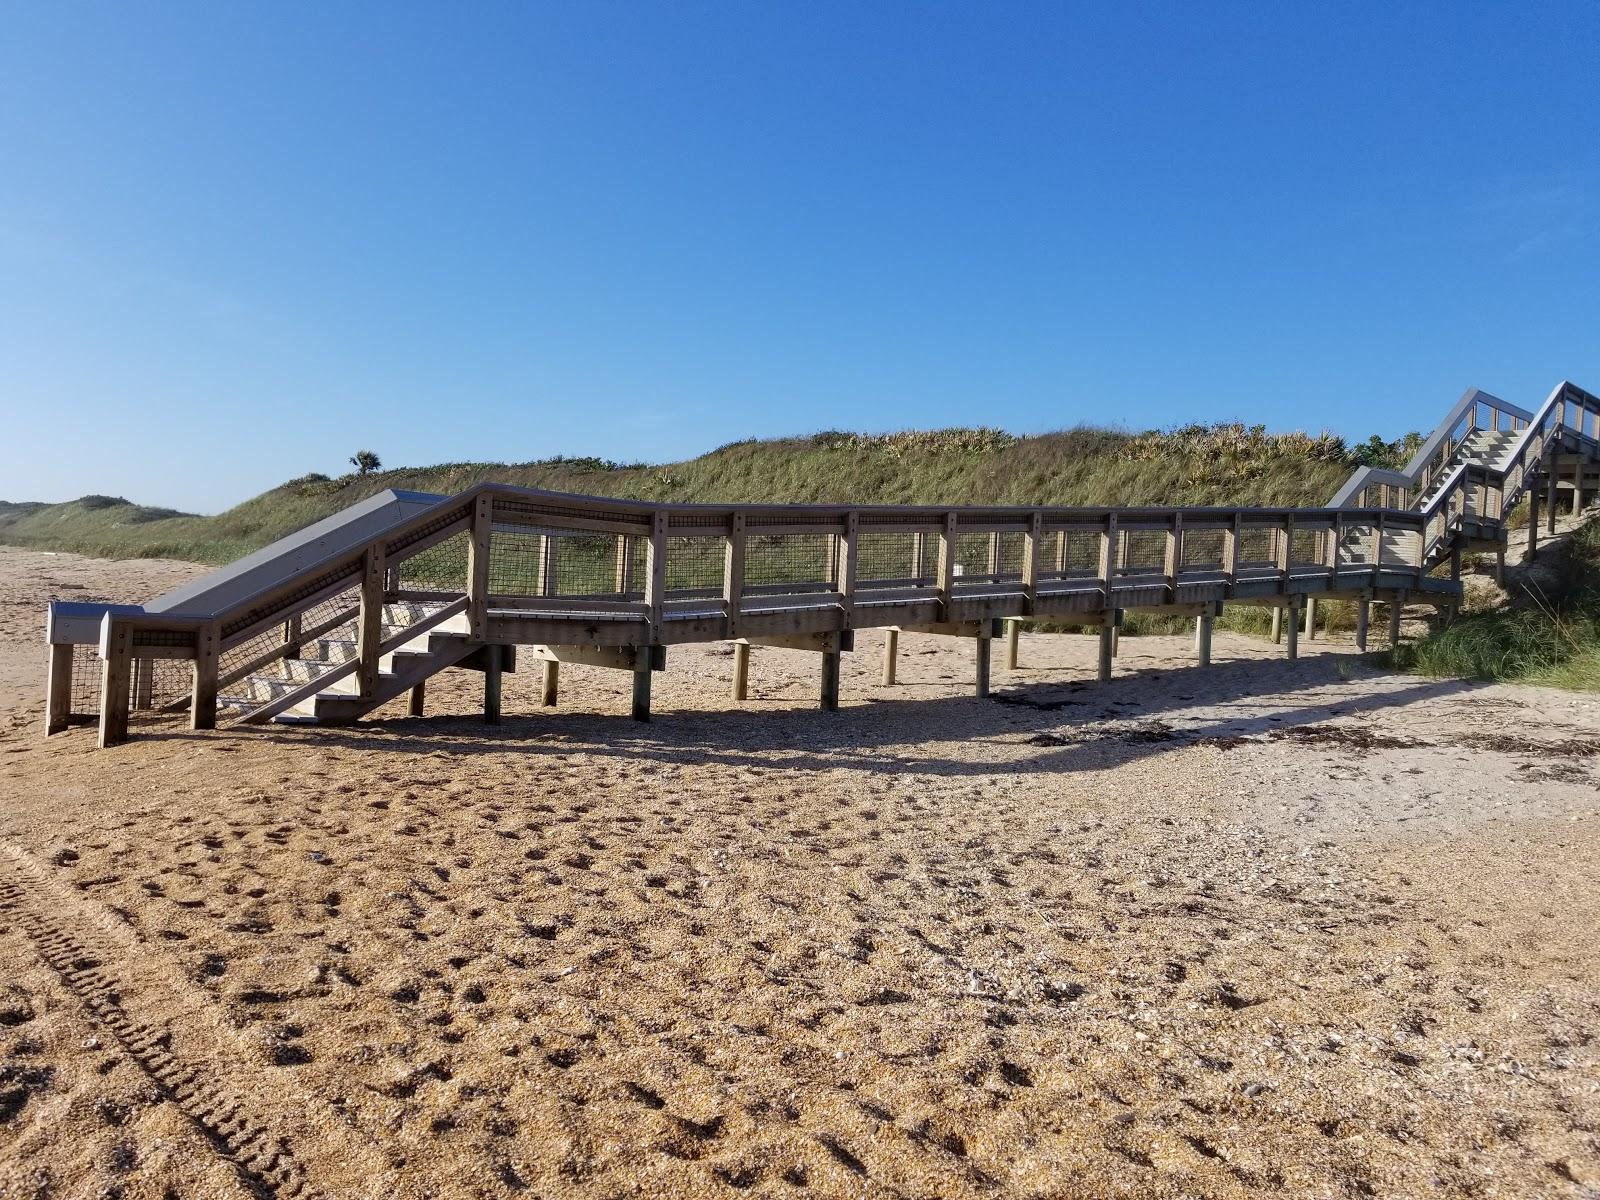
x=344 y=616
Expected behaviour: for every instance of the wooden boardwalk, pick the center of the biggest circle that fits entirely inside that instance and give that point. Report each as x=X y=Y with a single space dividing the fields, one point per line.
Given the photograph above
x=331 y=623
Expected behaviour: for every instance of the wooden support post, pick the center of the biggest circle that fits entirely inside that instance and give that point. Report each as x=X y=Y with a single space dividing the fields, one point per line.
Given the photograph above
x=741 y=670
x=478 y=567
x=1172 y=557
x=419 y=699
x=1230 y=552
x=58 y=689
x=1202 y=638
x=492 y=657
x=891 y=651
x=549 y=584
x=1277 y=624
x=1500 y=565
x=641 y=690
x=733 y=575
x=1108 y=563
x=1108 y=636
x=945 y=582
x=1396 y=607
x=551 y=684
x=1550 y=498
x=291 y=637
x=1533 y=524
x=624 y=564
x=1377 y=550
x=1030 y=569
x=830 y=680
x=1363 y=618
x=1292 y=628
x=1013 y=638
x=849 y=545
x=203 y=684
x=1285 y=551
x=116 y=644
x=655 y=588
x=983 y=644
x=369 y=631
x=1311 y=618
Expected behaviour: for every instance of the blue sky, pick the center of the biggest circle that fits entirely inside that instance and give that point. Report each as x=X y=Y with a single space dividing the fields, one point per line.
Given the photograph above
x=239 y=242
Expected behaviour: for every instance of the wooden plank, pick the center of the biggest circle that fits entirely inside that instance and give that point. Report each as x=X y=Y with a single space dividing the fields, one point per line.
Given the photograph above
x=58 y=689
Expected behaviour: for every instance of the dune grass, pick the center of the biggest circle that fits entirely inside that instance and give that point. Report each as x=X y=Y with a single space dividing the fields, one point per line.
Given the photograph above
x=1219 y=464
x=1547 y=634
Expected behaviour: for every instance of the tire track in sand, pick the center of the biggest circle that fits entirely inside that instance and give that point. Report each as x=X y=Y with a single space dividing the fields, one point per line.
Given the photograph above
x=79 y=956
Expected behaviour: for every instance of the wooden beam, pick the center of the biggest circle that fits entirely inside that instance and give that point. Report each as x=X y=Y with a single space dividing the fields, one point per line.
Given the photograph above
x=1108 y=558
x=827 y=642
x=58 y=689
x=1030 y=571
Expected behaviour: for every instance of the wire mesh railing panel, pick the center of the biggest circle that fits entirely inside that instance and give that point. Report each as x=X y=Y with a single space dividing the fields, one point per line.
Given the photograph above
x=1201 y=549
x=517 y=562
x=588 y=564
x=1258 y=546
x=791 y=558
x=696 y=564
x=974 y=553
x=441 y=568
x=86 y=670
x=1304 y=547
x=886 y=556
x=1010 y=551
x=1144 y=551
x=1081 y=554
x=158 y=689
x=1356 y=544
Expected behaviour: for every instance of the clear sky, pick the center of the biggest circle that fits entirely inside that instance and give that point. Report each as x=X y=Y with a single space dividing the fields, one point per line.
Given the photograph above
x=239 y=242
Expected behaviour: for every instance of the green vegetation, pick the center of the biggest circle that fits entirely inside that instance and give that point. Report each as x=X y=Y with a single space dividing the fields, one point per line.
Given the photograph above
x=1196 y=464
x=1549 y=631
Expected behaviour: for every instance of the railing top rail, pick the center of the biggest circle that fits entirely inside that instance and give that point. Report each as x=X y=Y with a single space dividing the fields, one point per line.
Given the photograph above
x=1470 y=399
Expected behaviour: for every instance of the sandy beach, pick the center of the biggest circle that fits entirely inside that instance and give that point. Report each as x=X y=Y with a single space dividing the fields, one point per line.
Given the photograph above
x=1265 y=929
